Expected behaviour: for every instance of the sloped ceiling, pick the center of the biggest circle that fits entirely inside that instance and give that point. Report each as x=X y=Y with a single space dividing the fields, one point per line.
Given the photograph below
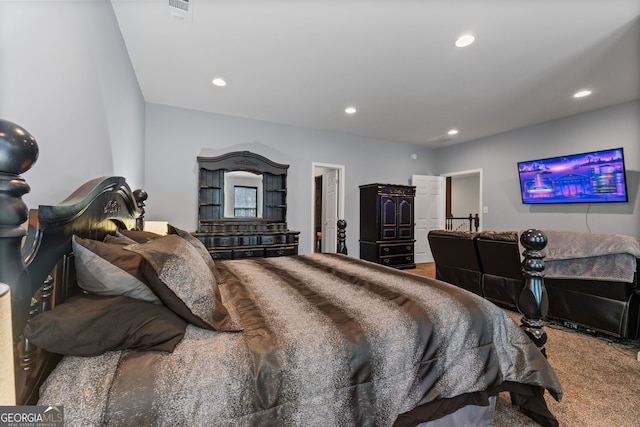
x=302 y=62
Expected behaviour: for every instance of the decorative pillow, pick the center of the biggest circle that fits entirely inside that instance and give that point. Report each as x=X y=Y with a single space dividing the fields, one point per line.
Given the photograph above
x=114 y=240
x=88 y=325
x=137 y=236
x=109 y=269
x=196 y=243
x=182 y=280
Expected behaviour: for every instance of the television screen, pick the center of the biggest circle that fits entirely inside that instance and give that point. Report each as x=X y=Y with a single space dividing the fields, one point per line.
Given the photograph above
x=594 y=177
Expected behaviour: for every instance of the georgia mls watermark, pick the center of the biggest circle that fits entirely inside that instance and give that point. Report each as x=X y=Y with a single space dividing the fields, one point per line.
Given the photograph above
x=31 y=416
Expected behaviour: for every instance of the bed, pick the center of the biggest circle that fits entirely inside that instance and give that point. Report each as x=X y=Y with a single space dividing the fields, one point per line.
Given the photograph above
x=321 y=339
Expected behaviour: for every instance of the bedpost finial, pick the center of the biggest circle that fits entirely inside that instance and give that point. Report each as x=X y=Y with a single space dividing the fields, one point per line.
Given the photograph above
x=140 y=197
x=342 y=237
x=18 y=148
x=533 y=239
x=18 y=152
x=533 y=300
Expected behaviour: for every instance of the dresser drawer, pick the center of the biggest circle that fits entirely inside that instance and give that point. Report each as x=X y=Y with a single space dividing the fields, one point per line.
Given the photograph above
x=396 y=249
x=224 y=241
x=248 y=253
x=282 y=251
x=247 y=240
x=221 y=254
x=273 y=239
x=399 y=260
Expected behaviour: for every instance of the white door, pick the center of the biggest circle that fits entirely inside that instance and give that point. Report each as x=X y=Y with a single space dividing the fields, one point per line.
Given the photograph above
x=428 y=212
x=329 y=211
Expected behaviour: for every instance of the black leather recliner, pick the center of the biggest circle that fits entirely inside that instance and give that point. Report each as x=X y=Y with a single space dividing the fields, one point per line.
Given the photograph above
x=456 y=258
x=502 y=278
x=604 y=306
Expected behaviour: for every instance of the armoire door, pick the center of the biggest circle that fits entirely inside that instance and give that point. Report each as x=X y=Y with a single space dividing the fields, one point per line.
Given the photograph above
x=388 y=218
x=405 y=217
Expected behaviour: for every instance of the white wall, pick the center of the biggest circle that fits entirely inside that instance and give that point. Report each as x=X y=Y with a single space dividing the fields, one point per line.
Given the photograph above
x=175 y=137
x=465 y=198
x=617 y=126
x=65 y=76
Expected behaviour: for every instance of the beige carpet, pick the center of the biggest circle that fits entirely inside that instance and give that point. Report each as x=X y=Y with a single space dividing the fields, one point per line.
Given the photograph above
x=600 y=377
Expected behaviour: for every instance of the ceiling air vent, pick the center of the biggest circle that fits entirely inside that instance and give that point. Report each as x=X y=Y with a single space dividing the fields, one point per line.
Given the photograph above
x=181 y=10
x=441 y=139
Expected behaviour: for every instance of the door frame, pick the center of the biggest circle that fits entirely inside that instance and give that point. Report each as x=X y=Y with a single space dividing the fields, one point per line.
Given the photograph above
x=471 y=172
x=315 y=168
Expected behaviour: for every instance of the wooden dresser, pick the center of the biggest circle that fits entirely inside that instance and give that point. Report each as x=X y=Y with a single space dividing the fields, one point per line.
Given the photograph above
x=386 y=224
x=258 y=227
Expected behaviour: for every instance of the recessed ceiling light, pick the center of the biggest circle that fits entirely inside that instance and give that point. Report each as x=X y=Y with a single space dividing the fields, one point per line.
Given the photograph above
x=350 y=110
x=453 y=132
x=219 y=82
x=582 y=94
x=465 y=40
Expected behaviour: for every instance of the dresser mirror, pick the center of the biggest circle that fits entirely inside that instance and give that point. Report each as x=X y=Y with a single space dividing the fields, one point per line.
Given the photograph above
x=242 y=195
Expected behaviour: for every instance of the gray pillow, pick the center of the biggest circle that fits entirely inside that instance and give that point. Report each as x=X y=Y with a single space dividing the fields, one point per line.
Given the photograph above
x=108 y=269
x=197 y=244
x=178 y=274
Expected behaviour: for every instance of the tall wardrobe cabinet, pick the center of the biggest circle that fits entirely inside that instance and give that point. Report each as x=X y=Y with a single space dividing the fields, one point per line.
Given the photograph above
x=386 y=224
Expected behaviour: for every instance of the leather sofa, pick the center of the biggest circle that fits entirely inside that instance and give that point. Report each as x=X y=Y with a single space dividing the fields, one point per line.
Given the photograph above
x=499 y=256
x=456 y=257
x=606 y=306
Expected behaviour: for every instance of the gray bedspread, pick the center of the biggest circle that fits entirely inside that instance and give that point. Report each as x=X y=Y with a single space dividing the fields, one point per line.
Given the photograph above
x=327 y=341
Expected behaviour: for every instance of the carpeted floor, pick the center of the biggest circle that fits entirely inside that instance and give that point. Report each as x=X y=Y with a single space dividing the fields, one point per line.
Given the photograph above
x=600 y=377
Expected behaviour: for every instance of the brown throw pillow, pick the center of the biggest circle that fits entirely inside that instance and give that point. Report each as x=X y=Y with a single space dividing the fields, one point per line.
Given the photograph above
x=88 y=325
x=138 y=236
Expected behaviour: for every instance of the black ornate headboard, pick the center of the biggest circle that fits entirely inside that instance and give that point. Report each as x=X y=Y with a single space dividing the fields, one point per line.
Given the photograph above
x=36 y=262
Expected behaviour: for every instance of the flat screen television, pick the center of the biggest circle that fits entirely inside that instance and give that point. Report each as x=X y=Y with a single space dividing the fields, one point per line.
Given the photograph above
x=593 y=177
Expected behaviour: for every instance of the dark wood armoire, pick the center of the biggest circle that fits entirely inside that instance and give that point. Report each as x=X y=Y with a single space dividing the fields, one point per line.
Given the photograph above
x=387 y=224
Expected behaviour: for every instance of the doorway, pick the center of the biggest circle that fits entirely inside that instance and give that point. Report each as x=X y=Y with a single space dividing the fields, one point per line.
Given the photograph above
x=464 y=194
x=328 y=205
x=435 y=196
